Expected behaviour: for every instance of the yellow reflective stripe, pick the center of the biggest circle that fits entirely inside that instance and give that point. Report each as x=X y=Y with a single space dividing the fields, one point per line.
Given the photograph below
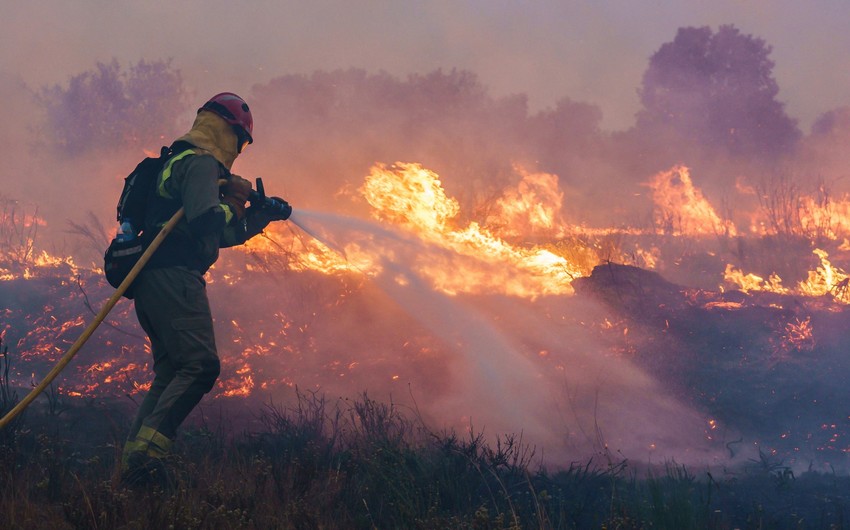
x=228 y=212
x=166 y=173
x=158 y=444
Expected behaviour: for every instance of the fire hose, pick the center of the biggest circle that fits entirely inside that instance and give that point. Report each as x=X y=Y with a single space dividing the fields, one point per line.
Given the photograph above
x=257 y=197
x=63 y=362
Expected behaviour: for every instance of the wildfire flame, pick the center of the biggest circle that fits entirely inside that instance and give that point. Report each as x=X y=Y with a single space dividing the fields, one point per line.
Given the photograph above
x=826 y=280
x=533 y=208
x=681 y=208
x=751 y=282
x=521 y=246
x=829 y=218
x=412 y=198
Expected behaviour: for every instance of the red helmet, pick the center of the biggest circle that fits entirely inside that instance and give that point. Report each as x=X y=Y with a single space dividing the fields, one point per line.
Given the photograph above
x=235 y=111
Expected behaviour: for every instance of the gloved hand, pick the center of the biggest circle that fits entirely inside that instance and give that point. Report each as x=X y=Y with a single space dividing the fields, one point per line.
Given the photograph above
x=259 y=217
x=236 y=193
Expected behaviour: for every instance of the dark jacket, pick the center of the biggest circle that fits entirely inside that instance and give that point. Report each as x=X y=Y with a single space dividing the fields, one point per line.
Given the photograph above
x=190 y=179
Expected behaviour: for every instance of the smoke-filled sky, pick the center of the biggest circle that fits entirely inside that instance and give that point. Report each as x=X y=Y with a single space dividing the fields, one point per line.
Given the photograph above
x=320 y=148
x=594 y=52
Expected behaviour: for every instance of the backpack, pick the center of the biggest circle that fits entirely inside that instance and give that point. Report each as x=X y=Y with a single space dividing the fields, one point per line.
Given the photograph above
x=138 y=185
x=128 y=245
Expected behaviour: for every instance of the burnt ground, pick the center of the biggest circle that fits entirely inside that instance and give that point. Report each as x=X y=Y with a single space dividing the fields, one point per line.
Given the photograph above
x=772 y=367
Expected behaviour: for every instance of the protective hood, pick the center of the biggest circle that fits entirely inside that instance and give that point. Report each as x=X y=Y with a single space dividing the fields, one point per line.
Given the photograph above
x=212 y=134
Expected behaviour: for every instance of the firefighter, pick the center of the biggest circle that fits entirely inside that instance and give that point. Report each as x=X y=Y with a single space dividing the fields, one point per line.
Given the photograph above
x=170 y=293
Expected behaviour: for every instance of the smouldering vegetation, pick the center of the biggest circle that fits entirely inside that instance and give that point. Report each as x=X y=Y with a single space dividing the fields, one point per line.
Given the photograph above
x=366 y=464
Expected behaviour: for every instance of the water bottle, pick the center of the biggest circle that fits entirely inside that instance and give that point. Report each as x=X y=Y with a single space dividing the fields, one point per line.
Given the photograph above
x=126 y=232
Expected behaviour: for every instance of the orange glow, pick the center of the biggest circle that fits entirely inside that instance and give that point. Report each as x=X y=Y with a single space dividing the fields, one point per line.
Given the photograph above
x=830 y=219
x=533 y=208
x=299 y=254
x=412 y=198
x=681 y=208
x=34 y=265
x=826 y=280
x=240 y=385
x=520 y=245
x=798 y=335
x=752 y=282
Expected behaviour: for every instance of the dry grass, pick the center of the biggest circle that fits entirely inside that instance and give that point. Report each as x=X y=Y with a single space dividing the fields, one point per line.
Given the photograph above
x=363 y=464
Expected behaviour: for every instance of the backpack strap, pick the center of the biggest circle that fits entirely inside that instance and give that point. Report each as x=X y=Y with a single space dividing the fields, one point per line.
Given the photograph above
x=166 y=173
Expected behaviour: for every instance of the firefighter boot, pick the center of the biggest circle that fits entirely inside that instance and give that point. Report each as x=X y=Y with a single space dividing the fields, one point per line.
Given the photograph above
x=142 y=461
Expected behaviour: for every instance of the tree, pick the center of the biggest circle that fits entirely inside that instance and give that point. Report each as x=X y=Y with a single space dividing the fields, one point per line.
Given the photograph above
x=110 y=108
x=717 y=91
x=337 y=124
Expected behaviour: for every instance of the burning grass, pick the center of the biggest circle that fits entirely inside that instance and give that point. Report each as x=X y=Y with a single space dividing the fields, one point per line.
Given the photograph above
x=482 y=318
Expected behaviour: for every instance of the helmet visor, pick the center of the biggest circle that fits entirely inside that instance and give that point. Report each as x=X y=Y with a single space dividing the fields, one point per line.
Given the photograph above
x=242 y=138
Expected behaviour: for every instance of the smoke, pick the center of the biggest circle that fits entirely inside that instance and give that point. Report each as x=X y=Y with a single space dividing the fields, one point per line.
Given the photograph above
x=548 y=49
x=325 y=115
x=511 y=365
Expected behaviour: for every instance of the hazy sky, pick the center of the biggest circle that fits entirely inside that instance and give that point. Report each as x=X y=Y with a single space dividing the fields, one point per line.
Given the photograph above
x=591 y=51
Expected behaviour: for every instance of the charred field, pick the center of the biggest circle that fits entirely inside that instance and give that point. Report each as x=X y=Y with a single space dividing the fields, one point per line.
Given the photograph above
x=423 y=370
x=478 y=316
x=423 y=373
x=763 y=371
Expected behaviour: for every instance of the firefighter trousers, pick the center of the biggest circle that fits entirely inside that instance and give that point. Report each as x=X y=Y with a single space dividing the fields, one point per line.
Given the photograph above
x=173 y=309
